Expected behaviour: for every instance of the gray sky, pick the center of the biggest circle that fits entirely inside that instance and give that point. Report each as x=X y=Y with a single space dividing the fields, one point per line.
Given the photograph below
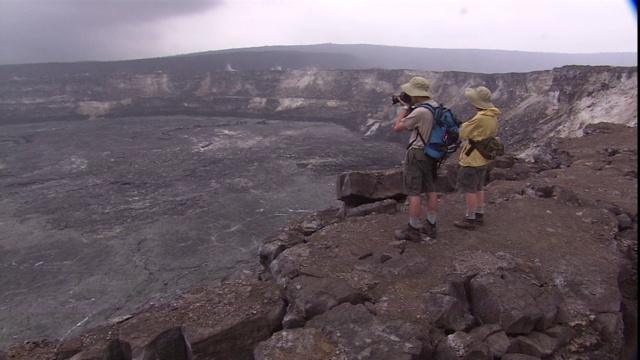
x=104 y=30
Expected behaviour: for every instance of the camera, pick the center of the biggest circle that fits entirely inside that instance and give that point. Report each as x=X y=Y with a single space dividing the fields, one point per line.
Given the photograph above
x=403 y=96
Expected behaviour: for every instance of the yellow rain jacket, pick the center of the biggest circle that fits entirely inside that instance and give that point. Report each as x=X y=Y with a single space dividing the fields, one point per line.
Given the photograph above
x=482 y=126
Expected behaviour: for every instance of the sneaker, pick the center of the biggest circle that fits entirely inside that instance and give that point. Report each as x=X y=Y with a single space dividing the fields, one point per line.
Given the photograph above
x=479 y=219
x=410 y=233
x=428 y=229
x=468 y=224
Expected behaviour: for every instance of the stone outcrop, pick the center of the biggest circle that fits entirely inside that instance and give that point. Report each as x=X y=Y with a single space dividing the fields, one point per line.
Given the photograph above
x=335 y=285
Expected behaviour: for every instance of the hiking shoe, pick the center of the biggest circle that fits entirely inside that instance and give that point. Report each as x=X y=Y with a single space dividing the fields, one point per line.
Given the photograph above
x=479 y=219
x=428 y=229
x=468 y=224
x=410 y=233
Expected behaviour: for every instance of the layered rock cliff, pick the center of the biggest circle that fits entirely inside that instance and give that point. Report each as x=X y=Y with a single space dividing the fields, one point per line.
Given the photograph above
x=537 y=105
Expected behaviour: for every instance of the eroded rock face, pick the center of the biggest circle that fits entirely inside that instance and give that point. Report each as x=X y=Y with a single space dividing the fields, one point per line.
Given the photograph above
x=535 y=106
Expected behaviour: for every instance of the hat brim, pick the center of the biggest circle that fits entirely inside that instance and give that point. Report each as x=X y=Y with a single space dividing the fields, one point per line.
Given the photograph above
x=413 y=91
x=476 y=100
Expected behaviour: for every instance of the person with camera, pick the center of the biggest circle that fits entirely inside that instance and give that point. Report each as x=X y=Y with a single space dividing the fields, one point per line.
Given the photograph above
x=420 y=170
x=473 y=166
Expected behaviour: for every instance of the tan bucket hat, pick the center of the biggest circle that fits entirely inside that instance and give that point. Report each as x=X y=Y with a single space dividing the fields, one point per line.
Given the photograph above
x=479 y=97
x=417 y=86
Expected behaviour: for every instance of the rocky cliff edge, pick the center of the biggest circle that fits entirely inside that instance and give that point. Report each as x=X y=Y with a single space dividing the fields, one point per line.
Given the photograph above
x=551 y=275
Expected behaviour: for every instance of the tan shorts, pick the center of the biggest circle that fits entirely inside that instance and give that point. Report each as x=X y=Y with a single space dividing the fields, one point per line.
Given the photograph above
x=419 y=173
x=471 y=179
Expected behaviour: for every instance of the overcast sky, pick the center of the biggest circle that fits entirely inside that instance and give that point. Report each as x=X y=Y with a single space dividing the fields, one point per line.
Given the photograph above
x=77 y=30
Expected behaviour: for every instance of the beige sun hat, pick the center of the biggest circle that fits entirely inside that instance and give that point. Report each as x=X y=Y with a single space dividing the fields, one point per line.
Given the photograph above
x=479 y=97
x=417 y=86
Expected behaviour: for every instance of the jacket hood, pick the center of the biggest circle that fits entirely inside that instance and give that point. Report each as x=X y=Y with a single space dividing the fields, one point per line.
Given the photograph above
x=494 y=111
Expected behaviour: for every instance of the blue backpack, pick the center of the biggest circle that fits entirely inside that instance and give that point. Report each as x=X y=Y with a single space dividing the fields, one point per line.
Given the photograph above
x=445 y=136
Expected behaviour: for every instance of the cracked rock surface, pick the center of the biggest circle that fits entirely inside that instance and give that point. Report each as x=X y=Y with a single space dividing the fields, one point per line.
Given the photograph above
x=102 y=218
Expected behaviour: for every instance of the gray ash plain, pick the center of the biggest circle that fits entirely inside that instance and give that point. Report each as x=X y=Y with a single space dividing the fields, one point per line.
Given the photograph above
x=102 y=218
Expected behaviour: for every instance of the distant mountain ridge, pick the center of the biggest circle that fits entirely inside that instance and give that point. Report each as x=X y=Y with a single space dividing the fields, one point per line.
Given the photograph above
x=339 y=57
x=364 y=56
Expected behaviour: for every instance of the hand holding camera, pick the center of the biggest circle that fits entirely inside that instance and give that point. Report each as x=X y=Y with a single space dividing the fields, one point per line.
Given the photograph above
x=402 y=98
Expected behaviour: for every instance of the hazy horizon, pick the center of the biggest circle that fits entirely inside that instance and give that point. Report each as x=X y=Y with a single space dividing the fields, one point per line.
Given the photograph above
x=33 y=31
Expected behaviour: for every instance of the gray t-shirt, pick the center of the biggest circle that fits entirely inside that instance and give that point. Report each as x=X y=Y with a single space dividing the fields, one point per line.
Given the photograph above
x=420 y=119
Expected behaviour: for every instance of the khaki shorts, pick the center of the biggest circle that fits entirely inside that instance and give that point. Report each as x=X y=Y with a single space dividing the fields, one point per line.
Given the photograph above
x=419 y=173
x=471 y=179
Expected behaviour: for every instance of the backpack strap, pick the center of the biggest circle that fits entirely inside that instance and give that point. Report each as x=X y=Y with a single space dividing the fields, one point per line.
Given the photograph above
x=414 y=140
x=433 y=111
x=436 y=164
x=435 y=118
x=471 y=148
x=474 y=146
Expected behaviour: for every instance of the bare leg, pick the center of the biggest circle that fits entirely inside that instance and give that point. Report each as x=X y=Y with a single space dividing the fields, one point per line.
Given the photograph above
x=479 y=198
x=479 y=214
x=471 y=202
x=415 y=207
x=432 y=202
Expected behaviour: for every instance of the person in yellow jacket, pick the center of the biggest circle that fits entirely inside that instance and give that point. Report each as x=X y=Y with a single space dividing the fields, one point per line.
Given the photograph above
x=473 y=166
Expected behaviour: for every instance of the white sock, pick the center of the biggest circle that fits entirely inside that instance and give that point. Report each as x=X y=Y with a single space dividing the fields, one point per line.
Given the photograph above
x=431 y=217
